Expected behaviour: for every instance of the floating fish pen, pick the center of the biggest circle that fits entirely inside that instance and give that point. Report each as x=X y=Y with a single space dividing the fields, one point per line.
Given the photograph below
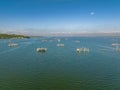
x=60 y=45
x=12 y=45
x=117 y=49
x=41 y=49
x=115 y=44
x=44 y=40
x=82 y=50
x=77 y=41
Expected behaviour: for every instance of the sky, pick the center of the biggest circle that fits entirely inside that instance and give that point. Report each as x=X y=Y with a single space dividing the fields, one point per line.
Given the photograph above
x=39 y=17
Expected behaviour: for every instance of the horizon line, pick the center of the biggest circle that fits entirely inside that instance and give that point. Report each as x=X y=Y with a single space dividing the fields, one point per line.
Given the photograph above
x=69 y=34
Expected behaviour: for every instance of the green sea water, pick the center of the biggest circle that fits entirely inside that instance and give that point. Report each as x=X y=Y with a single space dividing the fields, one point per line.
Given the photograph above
x=60 y=68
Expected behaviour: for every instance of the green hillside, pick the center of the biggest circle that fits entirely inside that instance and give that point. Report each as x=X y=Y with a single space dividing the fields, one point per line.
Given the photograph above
x=7 y=36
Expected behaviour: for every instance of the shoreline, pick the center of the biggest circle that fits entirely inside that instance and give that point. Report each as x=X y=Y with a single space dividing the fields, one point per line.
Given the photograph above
x=12 y=36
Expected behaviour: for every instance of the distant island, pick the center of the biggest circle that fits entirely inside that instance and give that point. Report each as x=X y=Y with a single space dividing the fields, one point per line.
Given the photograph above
x=8 y=36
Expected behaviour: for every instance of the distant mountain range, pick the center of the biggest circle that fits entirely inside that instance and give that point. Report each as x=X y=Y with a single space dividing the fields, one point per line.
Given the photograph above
x=88 y=34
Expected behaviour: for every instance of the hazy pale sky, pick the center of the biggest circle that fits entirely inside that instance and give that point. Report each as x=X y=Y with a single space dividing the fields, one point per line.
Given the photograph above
x=59 y=16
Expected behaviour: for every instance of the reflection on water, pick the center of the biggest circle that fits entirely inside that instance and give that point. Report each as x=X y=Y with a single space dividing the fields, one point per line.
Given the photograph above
x=22 y=68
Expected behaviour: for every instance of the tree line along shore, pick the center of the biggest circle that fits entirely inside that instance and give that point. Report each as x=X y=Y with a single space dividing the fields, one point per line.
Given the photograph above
x=8 y=36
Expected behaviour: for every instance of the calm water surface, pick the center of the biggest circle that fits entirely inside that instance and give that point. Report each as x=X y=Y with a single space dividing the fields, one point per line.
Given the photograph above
x=60 y=68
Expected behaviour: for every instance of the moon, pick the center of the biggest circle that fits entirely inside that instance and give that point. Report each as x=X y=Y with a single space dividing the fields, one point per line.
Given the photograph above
x=92 y=13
